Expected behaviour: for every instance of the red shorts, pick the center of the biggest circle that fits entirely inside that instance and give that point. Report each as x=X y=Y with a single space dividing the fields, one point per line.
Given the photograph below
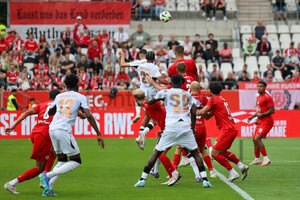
x=41 y=147
x=201 y=135
x=264 y=128
x=225 y=139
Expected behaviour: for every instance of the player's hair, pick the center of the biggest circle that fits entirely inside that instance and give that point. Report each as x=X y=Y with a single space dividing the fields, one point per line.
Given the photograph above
x=195 y=86
x=53 y=93
x=181 y=67
x=32 y=99
x=215 y=87
x=138 y=94
x=71 y=81
x=143 y=52
x=150 y=56
x=179 y=50
x=177 y=80
x=262 y=82
x=14 y=90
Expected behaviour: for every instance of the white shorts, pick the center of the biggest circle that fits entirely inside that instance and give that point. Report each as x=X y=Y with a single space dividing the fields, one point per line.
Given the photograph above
x=64 y=142
x=177 y=133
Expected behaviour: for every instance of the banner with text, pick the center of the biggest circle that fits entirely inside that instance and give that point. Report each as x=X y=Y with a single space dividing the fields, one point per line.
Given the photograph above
x=119 y=125
x=285 y=95
x=51 y=18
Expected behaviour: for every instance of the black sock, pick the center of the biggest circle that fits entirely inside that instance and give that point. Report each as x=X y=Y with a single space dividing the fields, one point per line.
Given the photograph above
x=201 y=169
x=150 y=126
x=147 y=171
x=189 y=155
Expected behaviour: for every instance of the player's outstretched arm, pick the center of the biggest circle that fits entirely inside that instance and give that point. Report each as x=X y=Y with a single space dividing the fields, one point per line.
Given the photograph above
x=155 y=84
x=92 y=121
x=122 y=61
x=20 y=119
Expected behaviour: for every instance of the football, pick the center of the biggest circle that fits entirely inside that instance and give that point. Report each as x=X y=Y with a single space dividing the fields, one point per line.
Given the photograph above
x=165 y=16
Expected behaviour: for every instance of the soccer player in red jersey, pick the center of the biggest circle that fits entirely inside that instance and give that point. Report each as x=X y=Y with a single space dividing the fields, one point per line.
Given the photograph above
x=264 y=111
x=218 y=107
x=41 y=142
x=191 y=69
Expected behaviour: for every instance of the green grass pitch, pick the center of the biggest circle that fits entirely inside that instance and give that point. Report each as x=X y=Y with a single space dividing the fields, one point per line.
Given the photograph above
x=111 y=173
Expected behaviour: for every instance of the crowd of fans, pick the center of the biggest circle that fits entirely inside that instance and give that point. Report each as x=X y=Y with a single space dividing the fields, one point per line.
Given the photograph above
x=96 y=60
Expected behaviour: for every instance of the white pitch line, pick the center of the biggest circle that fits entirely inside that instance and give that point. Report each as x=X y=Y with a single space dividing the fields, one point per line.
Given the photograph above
x=241 y=192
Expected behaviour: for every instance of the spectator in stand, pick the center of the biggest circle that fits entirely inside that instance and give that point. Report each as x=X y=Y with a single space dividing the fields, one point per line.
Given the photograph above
x=83 y=64
x=18 y=58
x=269 y=69
x=135 y=8
x=288 y=79
x=109 y=83
x=122 y=77
x=213 y=73
x=108 y=63
x=41 y=54
x=171 y=55
x=230 y=82
x=95 y=38
x=42 y=65
x=244 y=77
x=270 y=77
x=172 y=42
x=264 y=48
x=197 y=43
x=38 y=83
x=110 y=47
x=211 y=41
x=109 y=72
x=211 y=55
x=10 y=61
x=79 y=55
x=24 y=82
x=133 y=78
x=104 y=39
x=255 y=77
x=3 y=44
x=145 y=6
x=19 y=44
x=110 y=55
x=226 y=55
x=3 y=57
x=96 y=66
x=79 y=26
x=120 y=38
x=82 y=40
x=213 y=5
x=2 y=78
x=43 y=74
x=298 y=48
x=126 y=54
x=54 y=66
x=291 y=48
x=67 y=37
x=250 y=48
x=218 y=77
x=133 y=54
x=68 y=72
x=53 y=82
x=280 y=5
x=161 y=56
x=82 y=82
x=203 y=81
x=42 y=41
x=259 y=31
x=53 y=46
x=93 y=51
x=68 y=64
x=159 y=43
x=25 y=71
x=140 y=38
x=200 y=69
x=57 y=56
x=68 y=51
x=95 y=82
x=296 y=78
x=278 y=62
x=31 y=46
x=159 y=7
x=187 y=45
x=12 y=38
x=292 y=61
x=12 y=104
x=239 y=74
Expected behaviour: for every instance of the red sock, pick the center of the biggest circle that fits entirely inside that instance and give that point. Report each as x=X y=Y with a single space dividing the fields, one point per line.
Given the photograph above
x=256 y=153
x=50 y=163
x=263 y=152
x=231 y=157
x=207 y=160
x=222 y=160
x=176 y=160
x=167 y=164
x=28 y=175
x=208 y=142
x=183 y=153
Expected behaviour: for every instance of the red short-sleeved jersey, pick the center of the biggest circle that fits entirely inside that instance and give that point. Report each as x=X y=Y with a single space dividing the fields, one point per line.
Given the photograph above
x=157 y=113
x=3 y=45
x=31 y=46
x=44 y=120
x=263 y=103
x=49 y=84
x=13 y=76
x=187 y=84
x=221 y=111
x=92 y=53
x=191 y=69
x=203 y=100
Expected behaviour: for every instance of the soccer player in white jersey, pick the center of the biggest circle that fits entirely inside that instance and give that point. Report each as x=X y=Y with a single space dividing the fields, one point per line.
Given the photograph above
x=136 y=63
x=181 y=113
x=66 y=107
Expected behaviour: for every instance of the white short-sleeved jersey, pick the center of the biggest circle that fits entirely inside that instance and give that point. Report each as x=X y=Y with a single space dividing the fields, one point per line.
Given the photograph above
x=137 y=63
x=67 y=105
x=145 y=70
x=178 y=104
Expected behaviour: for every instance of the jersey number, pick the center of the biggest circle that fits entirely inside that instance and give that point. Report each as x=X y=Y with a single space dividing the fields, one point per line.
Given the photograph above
x=68 y=104
x=228 y=110
x=46 y=115
x=177 y=100
x=144 y=77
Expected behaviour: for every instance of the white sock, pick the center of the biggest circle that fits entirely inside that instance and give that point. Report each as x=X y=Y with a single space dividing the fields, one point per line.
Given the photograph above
x=203 y=174
x=137 y=109
x=54 y=179
x=240 y=165
x=156 y=166
x=67 y=167
x=266 y=158
x=232 y=171
x=210 y=149
x=174 y=173
x=257 y=159
x=194 y=166
x=146 y=130
x=14 y=182
x=144 y=175
x=183 y=158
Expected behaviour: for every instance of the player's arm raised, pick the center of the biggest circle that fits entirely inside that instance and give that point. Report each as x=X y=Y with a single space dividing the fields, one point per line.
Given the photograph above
x=20 y=119
x=122 y=61
x=155 y=84
x=92 y=121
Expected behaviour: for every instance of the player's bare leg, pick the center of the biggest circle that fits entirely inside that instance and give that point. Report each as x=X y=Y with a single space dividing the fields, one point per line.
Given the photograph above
x=207 y=161
x=141 y=140
x=138 y=113
x=259 y=147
